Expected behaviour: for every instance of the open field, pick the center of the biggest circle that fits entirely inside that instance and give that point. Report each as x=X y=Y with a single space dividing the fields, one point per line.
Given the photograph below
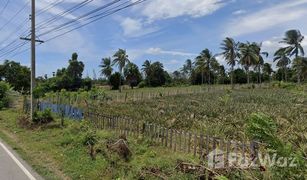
x=59 y=153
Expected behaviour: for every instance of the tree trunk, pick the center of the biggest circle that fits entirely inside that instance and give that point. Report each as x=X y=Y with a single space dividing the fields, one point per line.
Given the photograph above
x=247 y=72
x=120 y=82
x=232 y=75
x=286 y=78
x=202 y=77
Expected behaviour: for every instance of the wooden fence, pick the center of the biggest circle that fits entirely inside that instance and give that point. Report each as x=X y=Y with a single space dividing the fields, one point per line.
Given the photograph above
x=198 y=145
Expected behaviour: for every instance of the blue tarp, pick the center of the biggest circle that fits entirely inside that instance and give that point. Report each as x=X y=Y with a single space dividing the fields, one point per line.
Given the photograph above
x=67 y=110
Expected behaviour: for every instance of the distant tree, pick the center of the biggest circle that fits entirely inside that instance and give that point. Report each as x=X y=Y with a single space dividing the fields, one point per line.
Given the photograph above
x=16 y=75
x=120 y=59
x=115 y=79
x=300 y=67
x=267 y=70
x=259 y=64
x=74 y=72
x=132 y=74
x=230 y=53
x=240 y=76
x=106 y=67
x=203 y=62
x=248 y=57
x=187 y=68
x=293 y=38
x=157 y=75
x=282 y=62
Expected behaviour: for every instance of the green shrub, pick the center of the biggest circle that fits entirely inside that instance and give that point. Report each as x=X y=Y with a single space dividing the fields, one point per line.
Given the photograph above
x=43 y=117
x=142 y=84
x=4 y=99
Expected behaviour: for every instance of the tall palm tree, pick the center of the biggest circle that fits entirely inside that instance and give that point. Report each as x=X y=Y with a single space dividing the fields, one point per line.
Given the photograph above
x=260 y=62
x=293 y=38
x=282 y=62
x=120 y=59
x=248 y=57
x=230 y=53
x=106 y=67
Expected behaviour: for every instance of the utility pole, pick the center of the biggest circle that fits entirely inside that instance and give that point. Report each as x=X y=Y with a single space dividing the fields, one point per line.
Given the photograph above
x=33 y=41
x=32 y=57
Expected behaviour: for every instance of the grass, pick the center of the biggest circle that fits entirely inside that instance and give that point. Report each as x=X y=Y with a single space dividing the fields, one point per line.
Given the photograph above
x=59 y=153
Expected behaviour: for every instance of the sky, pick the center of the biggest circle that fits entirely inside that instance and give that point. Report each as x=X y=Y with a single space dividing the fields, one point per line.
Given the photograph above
x=169 y=31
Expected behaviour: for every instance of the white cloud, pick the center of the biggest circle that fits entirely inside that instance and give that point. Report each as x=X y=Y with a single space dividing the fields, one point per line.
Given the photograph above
x=239 y=12
x=156 y=51
x=268 y=18
x=272 y=45
x=135 y=27
x=164 y=9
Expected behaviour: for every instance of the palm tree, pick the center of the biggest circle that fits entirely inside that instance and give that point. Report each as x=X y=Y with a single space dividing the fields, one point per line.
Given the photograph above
x=293 y=38
x=248 y=57
x=230 y=53
x=300 y=66
x=120 y=59
x=203 y=62
x=106 y=67
x=260 y=62
x=146 y=67
x=187 y=67
x=282 y=61
x=267 y=69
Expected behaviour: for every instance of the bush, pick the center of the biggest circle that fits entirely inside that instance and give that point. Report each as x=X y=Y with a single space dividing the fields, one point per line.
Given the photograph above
x=114 y=80
x=42 y=117
x=142 y=84
x=4 y=100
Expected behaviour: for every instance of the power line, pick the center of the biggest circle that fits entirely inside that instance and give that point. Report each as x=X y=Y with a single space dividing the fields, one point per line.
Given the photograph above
x=50 y=6
x=98 y=17
x=60 y=15
x=94 y=19
x=79 y=18
x=15 y=15
x=19 y=28
x=5 y=6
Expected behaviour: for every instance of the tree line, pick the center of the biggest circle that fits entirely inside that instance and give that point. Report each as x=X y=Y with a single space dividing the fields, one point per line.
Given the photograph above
x=248 y=57
x=205 y=69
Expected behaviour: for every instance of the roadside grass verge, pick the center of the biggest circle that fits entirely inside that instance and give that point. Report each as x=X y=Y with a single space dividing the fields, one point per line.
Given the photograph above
x=59 y=153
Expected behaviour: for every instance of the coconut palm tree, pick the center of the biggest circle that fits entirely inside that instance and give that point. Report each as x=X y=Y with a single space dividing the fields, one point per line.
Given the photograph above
x=187 y=67
x=260 y=62
x=106 y=67
x=120 y=59
x=230 y=53
x=267 y=69
x=146 y=67
x=300 y=66
x=203 y=62
x=248 y=57
x=282 y=62
x=293 y=38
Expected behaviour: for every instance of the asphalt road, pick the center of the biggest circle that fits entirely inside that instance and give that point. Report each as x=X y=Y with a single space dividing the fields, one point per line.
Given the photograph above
x=12 y=167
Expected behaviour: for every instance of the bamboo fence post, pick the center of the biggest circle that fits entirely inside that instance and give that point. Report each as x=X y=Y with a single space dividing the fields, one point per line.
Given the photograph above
x=201 y=140
x=166 y=136
x=189 y=143
x=195 y=144
x=175 y=140
x=180 y=145
x=171 y=138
